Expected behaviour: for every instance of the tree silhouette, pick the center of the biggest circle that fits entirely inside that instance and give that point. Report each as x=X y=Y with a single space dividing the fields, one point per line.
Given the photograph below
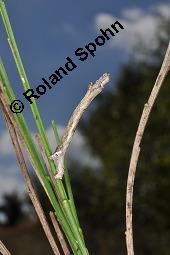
x=12 y=208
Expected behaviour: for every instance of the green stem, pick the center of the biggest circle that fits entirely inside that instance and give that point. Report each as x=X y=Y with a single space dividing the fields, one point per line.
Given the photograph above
x=67 y=182
x=65 y=204
x=26 y=85
x=30 y=145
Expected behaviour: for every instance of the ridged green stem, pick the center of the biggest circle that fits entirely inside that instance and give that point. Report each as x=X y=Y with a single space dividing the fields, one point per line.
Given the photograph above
x=31 y=147
x=67 y=181
x=68 y=218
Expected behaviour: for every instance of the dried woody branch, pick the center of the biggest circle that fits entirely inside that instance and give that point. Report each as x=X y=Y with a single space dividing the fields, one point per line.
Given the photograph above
x=31 y=191
x=45 y=159
x=59 y=234
x=4 y=103
x=92 y=92
x=3 y=249
x=52 y=215
x=136 y=148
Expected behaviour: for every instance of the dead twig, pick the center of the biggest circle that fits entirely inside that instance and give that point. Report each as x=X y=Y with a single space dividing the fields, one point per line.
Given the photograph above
x=3 y=249
x=59 y=234
x=31 y=191
x=92 y=92
x=6 y=109
x=45 y=159
x=136 y=148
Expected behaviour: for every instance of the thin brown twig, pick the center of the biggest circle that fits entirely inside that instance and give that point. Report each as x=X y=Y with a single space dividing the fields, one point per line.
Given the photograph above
x=32 y=193
x=136 y=148
x=5 y=107
x=3 y=249
x=44 y=156
x=59 y=234
x=92 y=92
x=31 y=190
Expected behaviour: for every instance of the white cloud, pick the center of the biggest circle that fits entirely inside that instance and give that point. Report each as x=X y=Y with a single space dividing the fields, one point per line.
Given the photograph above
x=103 y=20
x=10 y=175
x=132 y=14
x=78 y=150
x=163 y=9
x=138 y=25
x=6 y=147
x=10 y=180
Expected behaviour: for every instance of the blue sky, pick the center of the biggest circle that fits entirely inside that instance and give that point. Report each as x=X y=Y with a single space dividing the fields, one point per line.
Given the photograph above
x=48 y=31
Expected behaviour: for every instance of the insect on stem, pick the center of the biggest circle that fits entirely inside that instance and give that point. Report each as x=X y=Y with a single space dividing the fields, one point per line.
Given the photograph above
x=92 y=91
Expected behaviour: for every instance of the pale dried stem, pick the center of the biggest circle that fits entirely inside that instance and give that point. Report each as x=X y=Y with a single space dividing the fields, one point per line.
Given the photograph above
x=3 y=249
x=14 y=131
x=31 y=190
x=44 y=156
x=136 y=149
x=6 y=108
x=59 y=234
x=92 y=92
